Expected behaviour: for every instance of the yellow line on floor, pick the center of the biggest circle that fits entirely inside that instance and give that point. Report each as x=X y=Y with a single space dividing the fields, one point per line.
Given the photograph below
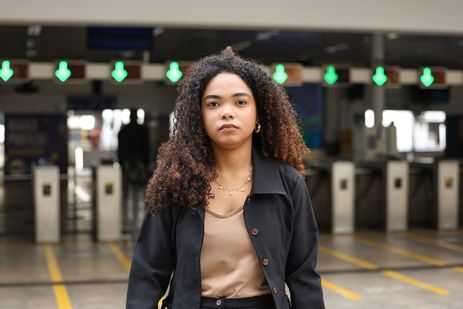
x=348 y=258
x=400 y=251
x=415 y=282
x=61 y=294
x=340 y=290
x=460 y=269
x=389 y=273
x=430 y=241
x=123 y=259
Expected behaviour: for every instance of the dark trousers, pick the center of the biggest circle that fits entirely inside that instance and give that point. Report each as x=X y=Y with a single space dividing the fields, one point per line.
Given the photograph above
x=258 y=302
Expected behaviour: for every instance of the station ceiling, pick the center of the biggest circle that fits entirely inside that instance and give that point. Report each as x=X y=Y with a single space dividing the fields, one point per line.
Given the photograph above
x=48 y=43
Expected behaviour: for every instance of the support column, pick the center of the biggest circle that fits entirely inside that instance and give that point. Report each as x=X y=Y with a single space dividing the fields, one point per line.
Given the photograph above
x=378 y=93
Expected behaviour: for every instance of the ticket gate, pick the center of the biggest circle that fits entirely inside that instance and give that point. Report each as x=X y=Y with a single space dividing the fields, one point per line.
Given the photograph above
x=434 y=199
x=332 y=189
x=448 y=176
x=46 y=203
x=108 y=203
x=382 y=195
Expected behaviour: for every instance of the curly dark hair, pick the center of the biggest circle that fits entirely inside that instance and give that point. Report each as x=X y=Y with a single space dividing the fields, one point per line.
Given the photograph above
x=186 y=165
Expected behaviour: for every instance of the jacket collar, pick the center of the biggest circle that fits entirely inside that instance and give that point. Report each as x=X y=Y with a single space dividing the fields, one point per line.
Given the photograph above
x=266 y=175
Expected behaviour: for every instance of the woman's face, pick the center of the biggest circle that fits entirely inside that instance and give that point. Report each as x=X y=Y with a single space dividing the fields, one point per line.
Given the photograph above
x=228 y=109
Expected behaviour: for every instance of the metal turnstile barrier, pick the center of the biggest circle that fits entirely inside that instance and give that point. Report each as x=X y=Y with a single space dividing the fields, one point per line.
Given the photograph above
x=382 y=195
x=343 y=192
x=397 y=196
x=332 y=188
x=448 y=176
x=108 y=210
x=47 y=203
x=434 y=200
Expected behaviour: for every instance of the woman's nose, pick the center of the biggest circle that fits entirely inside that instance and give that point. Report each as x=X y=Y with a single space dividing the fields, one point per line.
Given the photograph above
x=227 y=112
x=227 y=115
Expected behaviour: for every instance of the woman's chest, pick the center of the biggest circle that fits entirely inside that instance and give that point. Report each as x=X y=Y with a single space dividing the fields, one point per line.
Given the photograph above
x=224 y=203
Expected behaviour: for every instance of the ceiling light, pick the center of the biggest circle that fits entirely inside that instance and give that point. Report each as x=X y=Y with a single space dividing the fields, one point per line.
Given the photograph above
x=393 y=36
x=34 y=30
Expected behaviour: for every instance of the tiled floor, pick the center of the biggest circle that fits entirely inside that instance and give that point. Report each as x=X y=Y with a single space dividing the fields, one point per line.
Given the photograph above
x=420 y=269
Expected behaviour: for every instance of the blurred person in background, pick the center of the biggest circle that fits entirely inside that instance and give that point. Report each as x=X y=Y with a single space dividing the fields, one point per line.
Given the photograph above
x=133 y=154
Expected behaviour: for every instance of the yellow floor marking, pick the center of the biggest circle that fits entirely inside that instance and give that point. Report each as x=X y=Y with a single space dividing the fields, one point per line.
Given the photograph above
x=347 y=258
x=439 y=243
x=400 y=251
x=460 y=269
x=340 y=290
x=389 y=273
x=415 y=282
x=61 y=294
x=123 y=259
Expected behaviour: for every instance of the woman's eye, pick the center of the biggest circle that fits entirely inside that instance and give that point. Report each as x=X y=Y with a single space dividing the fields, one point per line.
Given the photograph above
x=242 y=102
x=212 y=104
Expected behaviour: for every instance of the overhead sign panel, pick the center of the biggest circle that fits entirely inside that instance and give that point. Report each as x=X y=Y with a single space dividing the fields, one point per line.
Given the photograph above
x=335 y=76
x=70 y=71
x=287 y=74
x=11 y=71
x=126 y=71
x=385 y=76
x=432 y=77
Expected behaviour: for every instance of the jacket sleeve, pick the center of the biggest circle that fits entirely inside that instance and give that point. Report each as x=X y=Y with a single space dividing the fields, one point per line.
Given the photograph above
x=152 y=262
x=302 y=279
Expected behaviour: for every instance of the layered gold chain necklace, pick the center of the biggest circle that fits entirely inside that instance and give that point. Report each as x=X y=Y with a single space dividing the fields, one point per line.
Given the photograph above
x=238 y=189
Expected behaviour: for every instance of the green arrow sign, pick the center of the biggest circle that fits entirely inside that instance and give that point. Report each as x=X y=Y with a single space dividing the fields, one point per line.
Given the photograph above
x=330 y=77
x=427 y=79
x=119 y=73
x=6 y=72
x=174 y=74
x=63 y=72
x=380 y=77
x=280 y=75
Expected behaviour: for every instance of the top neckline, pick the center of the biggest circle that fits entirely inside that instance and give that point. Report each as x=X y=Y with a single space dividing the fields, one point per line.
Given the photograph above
x=228 y=215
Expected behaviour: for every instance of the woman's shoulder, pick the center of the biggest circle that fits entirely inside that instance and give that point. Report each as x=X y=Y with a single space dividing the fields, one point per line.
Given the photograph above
x=287 y=172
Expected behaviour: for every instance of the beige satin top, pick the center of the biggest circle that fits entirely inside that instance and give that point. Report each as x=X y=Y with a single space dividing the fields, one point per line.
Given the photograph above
x=229 y=265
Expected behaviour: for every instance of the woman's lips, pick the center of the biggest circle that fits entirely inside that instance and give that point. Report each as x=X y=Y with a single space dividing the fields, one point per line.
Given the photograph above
x=228 y=127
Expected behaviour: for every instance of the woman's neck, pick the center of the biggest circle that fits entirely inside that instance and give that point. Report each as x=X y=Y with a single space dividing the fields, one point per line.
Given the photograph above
x=231 y=162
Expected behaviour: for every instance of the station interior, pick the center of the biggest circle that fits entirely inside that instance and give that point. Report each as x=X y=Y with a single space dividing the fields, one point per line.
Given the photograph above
x=380 y=106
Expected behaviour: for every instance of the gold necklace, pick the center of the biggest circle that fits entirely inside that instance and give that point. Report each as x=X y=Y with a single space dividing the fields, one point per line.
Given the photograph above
x=239 y=189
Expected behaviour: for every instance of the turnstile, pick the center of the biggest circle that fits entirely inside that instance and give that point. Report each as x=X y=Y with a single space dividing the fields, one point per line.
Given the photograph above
x=332 y=188
x=435 y=197
x=382 y=195
x=47 y=203
x=108 y=203
x=448 y=176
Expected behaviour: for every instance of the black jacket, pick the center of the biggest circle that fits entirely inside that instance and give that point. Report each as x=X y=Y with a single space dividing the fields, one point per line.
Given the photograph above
x=281 y=224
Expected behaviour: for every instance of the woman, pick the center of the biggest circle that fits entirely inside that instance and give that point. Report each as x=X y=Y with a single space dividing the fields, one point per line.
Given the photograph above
x=230 y=218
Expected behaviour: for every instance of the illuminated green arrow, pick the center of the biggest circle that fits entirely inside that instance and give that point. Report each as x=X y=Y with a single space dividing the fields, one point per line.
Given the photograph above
x=330 y=77
x=427 y=79
x=380 y=78
x=119 y=73
x=63 y=72
x=174 y=74
x=6 y=72
x=280 y=75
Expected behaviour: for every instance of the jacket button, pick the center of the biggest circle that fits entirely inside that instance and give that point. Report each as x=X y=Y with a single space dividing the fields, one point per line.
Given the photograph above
x=218 y=302
x=274 y=290
x=254 y=231
x=265 y=262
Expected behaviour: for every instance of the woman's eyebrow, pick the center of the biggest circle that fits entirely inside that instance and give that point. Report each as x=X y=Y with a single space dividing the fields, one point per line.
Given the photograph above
x=214 y=96
x=241 y=94
x=211 y=96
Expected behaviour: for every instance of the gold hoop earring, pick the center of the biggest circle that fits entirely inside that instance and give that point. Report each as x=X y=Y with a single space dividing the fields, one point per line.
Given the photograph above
x=258 y=127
